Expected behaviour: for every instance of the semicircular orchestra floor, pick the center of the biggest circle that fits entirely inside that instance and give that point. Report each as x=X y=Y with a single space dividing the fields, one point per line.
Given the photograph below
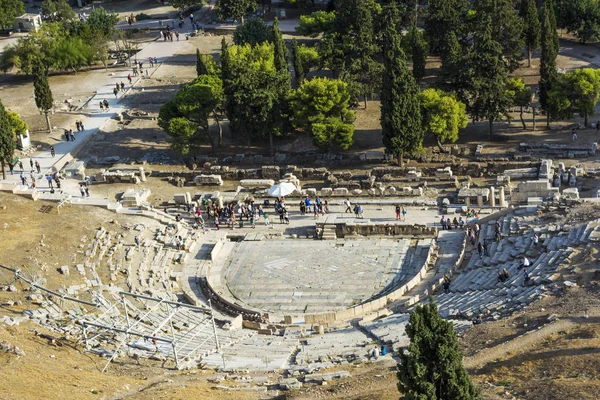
x=311 y=276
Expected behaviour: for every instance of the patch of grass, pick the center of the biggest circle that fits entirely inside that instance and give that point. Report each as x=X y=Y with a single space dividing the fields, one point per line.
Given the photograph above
x=142 y=16
x=504 y=383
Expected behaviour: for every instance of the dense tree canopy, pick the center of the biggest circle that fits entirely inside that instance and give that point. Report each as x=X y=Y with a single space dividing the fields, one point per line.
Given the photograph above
x=518 y=95
x=316 y=23
x=185 y=4
x=443 y=114
x=253 y=31
x=432 y=367
x=320 y=107
x=236 y=9
x=186 y=117
x=57 y=10
x=9 y=10
x=581 y=17
x=576 y=92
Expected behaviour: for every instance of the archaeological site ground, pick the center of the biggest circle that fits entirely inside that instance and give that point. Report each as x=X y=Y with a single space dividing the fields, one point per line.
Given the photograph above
x=132 y=290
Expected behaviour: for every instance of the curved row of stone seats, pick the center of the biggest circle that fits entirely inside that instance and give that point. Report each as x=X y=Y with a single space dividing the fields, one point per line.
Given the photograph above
x=486 y=277
x=391 y=330
x=346 y=344
x=257 y=352
x=492 y=302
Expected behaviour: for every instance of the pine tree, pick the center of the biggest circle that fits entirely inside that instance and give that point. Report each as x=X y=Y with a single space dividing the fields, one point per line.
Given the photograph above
x=42 y=93
x=432 y=367
x=400 y=110
x=530 y=16
x=8 y=142
x=548 y=74
x=298 y=70
x=489 y=75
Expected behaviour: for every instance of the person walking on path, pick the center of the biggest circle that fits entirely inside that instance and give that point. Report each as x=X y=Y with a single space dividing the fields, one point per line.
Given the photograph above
x=177 y=35
x=106 y=105
x=71 y=135
x=23 y=178
x=49 y=179
x=37 y=167
x=348 y=206
x=398 y=211
x=403 y=212
x=82 y=191
x=116 y=92
x=129 y=78
x=117 y=86
x=31 y=163
x=597 y=127
x=21 y=165
x=51 y=151
x=480 y=249
x=122 y=86
x=11 y=167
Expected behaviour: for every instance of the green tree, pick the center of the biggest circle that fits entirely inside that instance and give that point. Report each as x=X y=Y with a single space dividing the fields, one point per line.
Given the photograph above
x=57 y=10
x=506 y=28
x=206 y=65
x=305 y=58
x=320 y=107
x=418 y=48
x=519 y=95
x=101 y=21
x=443 y=18
x=18 y=126
x=183 y=5
x=281 y=108
x=581 y=17
x=9 y=10
x=532 y=31
x=236 y=9
x=316 y=23
x=299 y=73
x=43 y=94
x=186 y=117
x=250 y=82
x=576 y=91
x=432 y=367
x=8 y=142
x=253 y=31
x=400 y=110
x=488 y=76
x=548 y=74
x=443 y=115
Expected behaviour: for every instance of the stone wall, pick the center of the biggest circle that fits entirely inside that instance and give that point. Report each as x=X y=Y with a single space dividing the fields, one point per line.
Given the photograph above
x=388 y=229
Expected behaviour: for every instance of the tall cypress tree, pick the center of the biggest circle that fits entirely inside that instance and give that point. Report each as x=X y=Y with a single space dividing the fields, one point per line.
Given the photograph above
x=201 y=67
x=432 y=367
x=552 y=17
x=281 y=108
x=507 y=28
x=42 y=93
x=489 y=75
x=400 y=109
x=298 y=68
x=548 y=74
x=420 y=49
x=8 y=143
x=531 y=34
x=443 y=18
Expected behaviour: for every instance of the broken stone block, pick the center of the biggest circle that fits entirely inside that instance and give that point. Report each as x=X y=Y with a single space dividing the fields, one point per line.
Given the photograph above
x=208 y=180
x=64 y=270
